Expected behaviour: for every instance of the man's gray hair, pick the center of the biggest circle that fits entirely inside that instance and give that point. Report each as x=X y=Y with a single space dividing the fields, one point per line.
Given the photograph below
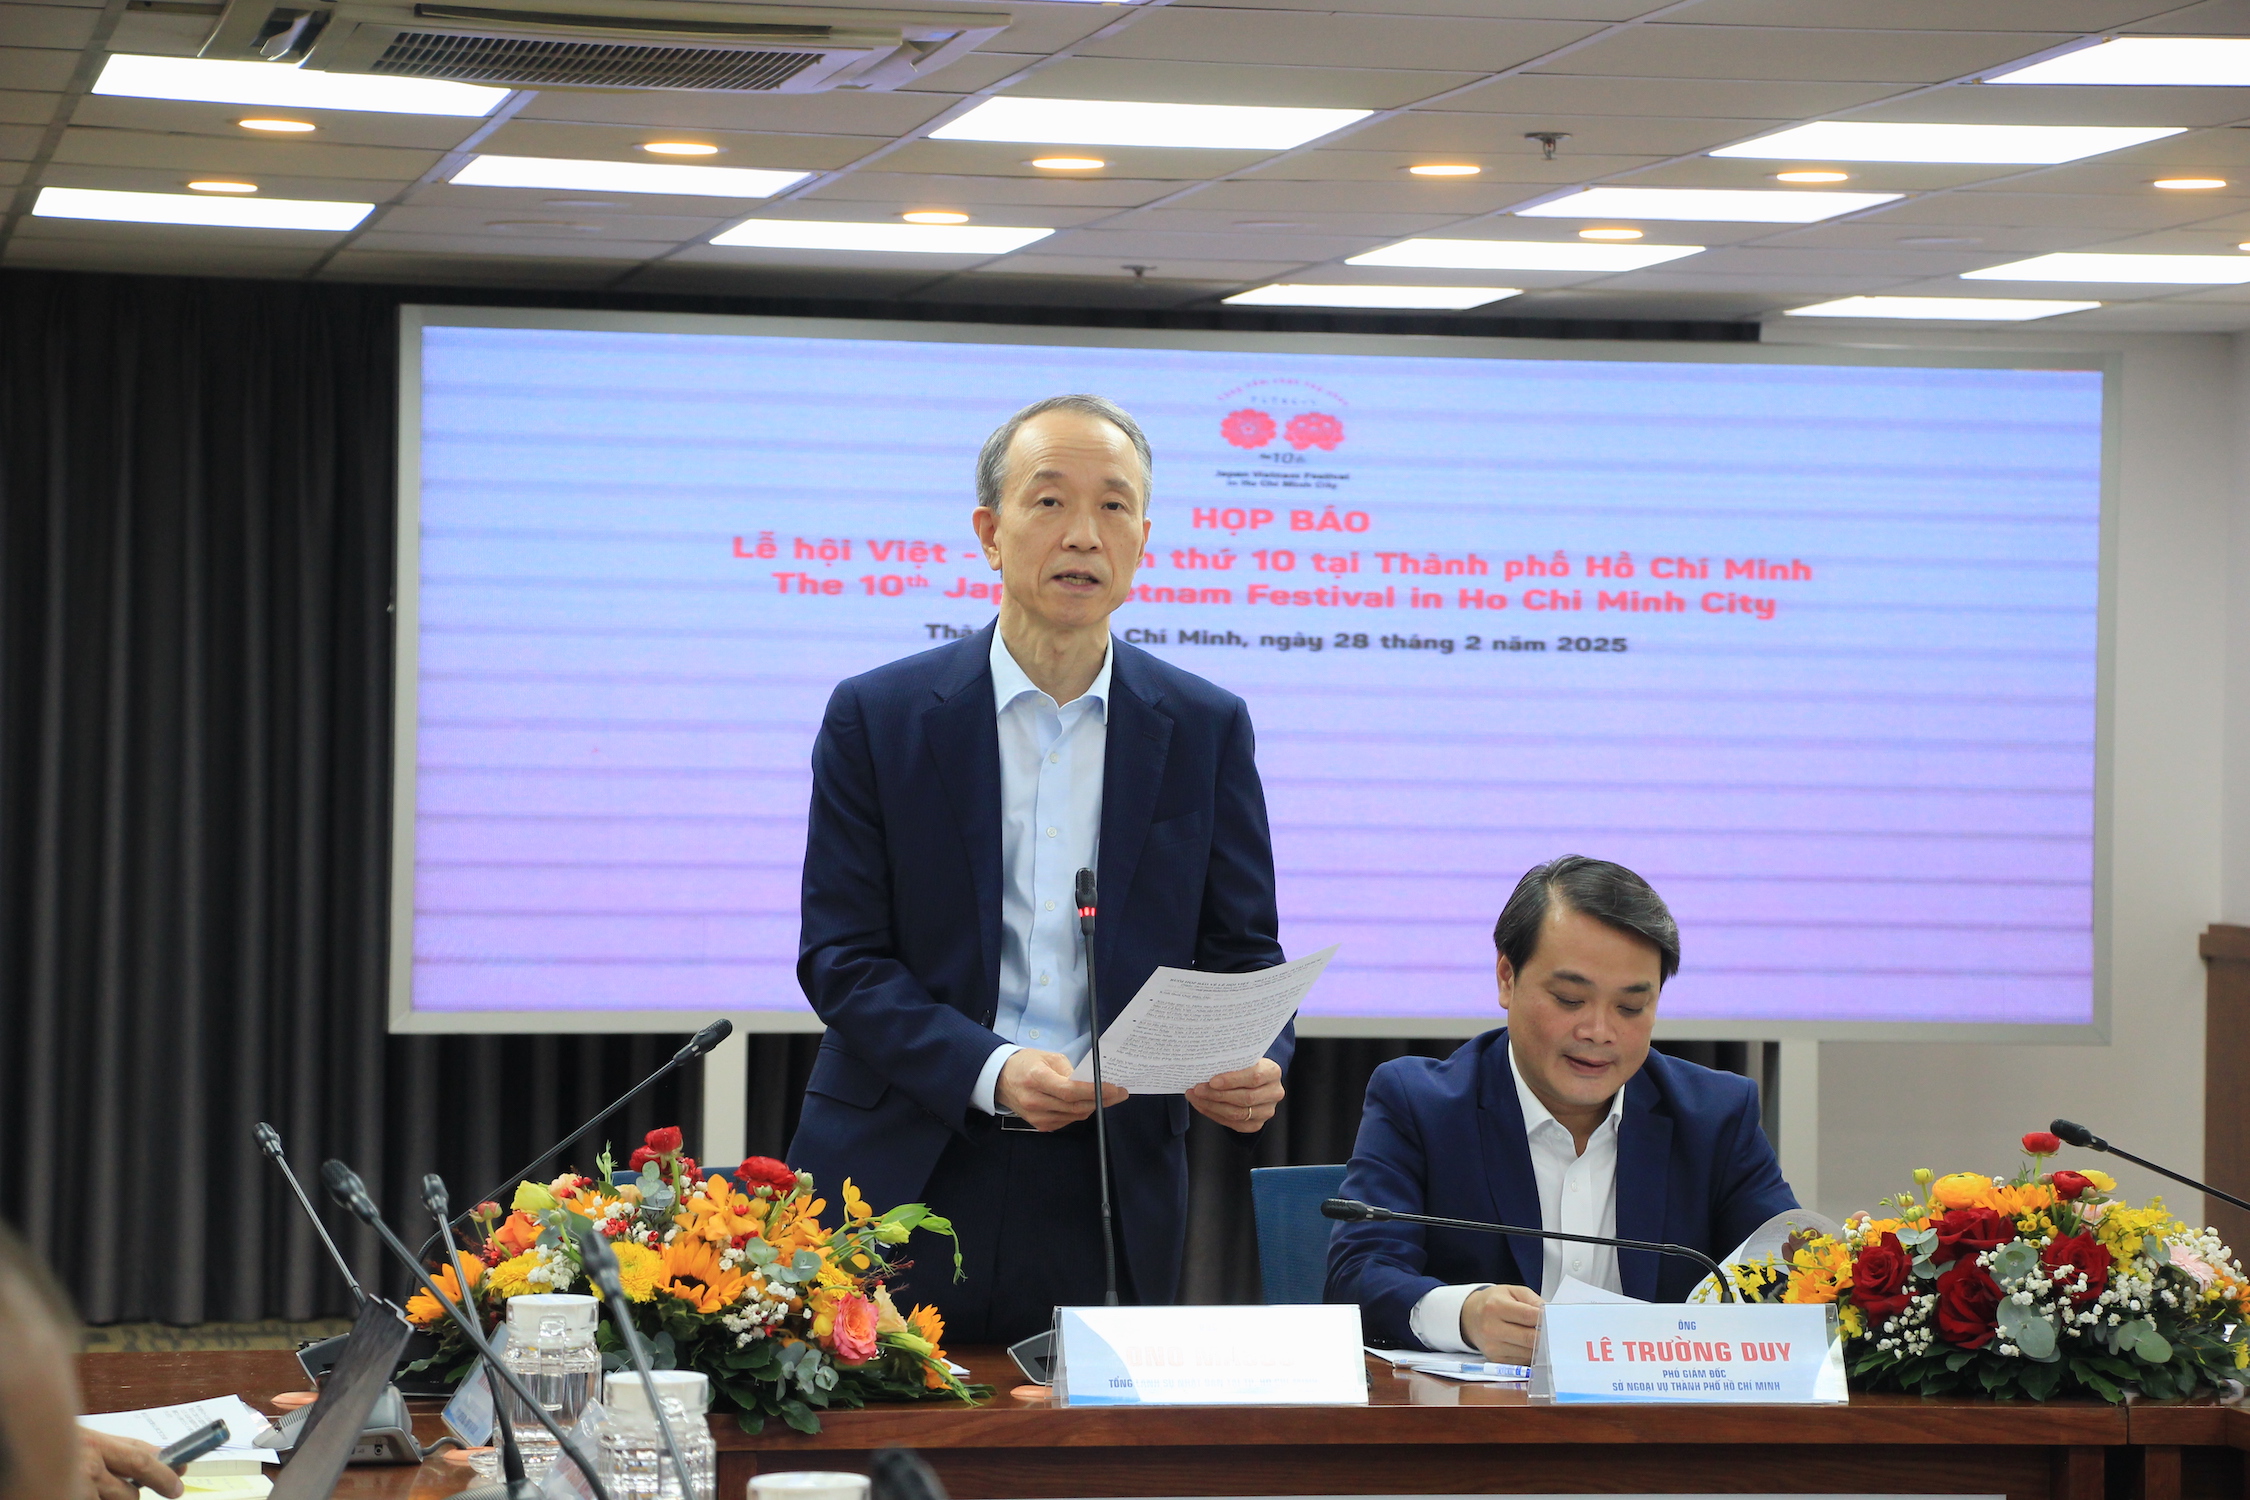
x=992 y=461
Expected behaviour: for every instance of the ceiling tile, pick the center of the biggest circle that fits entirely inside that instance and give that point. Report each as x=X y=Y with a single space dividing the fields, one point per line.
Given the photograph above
x=2064 y=291
x=1989 y=241
x=67 y=26
x=1281 y=196
x=2131 y=179
x=12 y=172
x=847 y=260
x=382 y=237
x=189 y=240
x=838 y=112
x=21 y=142
x=1338 y=41
x=30 y=68
x=1150 y=244
x=2159 y=317
x=18 y=107
x=2041 y=209
x=472 y=270
x=1790 y=265
x=1930 y=15
x=1625 y=98
x=2011 y=104
x=1010 y=159
x=1866 y=177
x=160 y=34
x=2201 y=148
x=1588 y=303
x=28 y=251
x=1159 y=268
x=1191 y=219
x=704 y=279
x=1666 y=50
x=502 y=203
x=129 y=148
x=172 y=179
x=1039 y=27
x=863 y=211
x=1352 y=165
x=1458 y=132
x=591 y=226
x=2202 y=239
x=972 y=74
x=1085 y=199
x=1500 y=10
x=1823 y=284
x=336 y=127
x=803 y=153
x=875 y=206
x=1219 y=83
x=2212 y=18
x=991 y=288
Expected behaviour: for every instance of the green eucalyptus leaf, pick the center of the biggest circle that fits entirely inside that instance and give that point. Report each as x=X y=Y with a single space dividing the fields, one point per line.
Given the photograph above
x=2153 y=1347
x=2013 y=1260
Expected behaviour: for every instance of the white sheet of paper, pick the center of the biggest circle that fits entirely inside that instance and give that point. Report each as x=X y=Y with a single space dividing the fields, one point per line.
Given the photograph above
x=166 y=1424
x=1186 y=1027
x=1574 y=1292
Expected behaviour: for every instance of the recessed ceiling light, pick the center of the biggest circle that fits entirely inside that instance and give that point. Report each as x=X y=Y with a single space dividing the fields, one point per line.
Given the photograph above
x=2189 y=184
x=1609 y=234
x=935 y=216
x=901 y=239
x=1521 y=255
x=1968 y=309
x=2169 y=270
x=1118 y=122
x=130 y=76
x=1445 y=169
x=1866 y=140
x=1710 y=205
x=1424 y=298
x=221 y=185
x=280 y=127
x=624 y=176
x=682 y=148
x=1068 y=163
x=2179 y=61
x=1812 y=176
x=191 y=208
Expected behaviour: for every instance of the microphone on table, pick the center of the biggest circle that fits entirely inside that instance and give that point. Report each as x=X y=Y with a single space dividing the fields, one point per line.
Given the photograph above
x=514 y=1484
x=269 y=1139
x=702 y=1042
x=1087 y=906
x=600 y=1261
x=900 y=1474
x=345 y=1186
x=2078 y=1135
x=1351 y=1210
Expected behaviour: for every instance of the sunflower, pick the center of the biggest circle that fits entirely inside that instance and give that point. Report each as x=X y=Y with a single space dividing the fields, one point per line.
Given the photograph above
x=925 y=1324
x=693 y=1274
x=512 y=1277
x=422 y=1309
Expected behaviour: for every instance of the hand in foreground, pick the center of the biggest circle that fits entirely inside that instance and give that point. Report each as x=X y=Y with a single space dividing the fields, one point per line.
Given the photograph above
x=1503 y=1321
x=1242 y=1100
x=117 y=1467
x=1038 y=1086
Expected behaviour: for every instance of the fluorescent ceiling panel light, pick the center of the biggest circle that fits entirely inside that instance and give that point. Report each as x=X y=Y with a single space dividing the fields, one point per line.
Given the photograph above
x=1521 y=255
x=1709 y=205
x=1112 y=122
x=1426 y=298
x=900 y=239
x=195 y=208
x=209 y=81
x=624 y=177
x=2169 y=270
x=2175 y=61
x=1962 y=309
x=2029 y=145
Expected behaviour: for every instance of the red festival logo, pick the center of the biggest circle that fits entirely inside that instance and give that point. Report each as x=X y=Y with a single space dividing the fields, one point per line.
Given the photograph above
x=1297 y=411
x=1315 y=429
x=1248 y=428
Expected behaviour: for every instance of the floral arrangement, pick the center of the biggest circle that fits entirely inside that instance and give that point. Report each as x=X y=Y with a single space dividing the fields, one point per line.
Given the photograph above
x=2039 y=1285
x=741 y=1281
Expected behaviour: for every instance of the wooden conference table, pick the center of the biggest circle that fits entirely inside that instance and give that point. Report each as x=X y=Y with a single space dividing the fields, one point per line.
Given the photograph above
x=1418 y=1435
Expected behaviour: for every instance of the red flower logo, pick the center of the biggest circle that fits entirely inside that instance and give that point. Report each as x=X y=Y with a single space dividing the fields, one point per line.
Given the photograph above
x=1315 y=429
x=1251 y=428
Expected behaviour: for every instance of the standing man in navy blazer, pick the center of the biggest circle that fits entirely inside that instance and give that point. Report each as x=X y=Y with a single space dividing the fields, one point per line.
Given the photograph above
x=955 y=796
x=1563 y=1119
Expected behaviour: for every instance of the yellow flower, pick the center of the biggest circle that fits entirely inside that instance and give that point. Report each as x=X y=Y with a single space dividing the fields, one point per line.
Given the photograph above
x=1823 y=1271
x=887 y=1319
x=2101 y=1180
x=718 y=1213
x=693 y=1274
x=925 y=1324
x=2025 y=1202
x=512 y=1277
x=1850 y=1321
x=640 y=1268
x=855 y=1206
x=422 y=1309
x=1964 y=1190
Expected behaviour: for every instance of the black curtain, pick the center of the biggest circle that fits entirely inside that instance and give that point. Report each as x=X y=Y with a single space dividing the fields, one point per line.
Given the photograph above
x=195 y=670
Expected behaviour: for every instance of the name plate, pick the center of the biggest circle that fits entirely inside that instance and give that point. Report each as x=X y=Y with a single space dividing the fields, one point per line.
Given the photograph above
x=1306 y=1355
x=1761 y=1354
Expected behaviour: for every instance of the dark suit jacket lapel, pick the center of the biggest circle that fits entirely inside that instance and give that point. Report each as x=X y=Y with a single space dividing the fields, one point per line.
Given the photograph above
x=1506 y=1168
x=1644 y=1156
x=1138 y=738
x=964 y=738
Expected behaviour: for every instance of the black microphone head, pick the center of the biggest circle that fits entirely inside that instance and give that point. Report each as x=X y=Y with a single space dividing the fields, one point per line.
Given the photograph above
x=1085 y=889
x=1350 y=1210
x=704 y=1040
x=600 y=1261
x=345 y=1187
x=269 y=1139
x=2077 y=1135
x=435 y=1198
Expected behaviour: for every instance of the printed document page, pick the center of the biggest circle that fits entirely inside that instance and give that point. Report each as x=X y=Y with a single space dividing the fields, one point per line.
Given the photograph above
x=1186 y=1027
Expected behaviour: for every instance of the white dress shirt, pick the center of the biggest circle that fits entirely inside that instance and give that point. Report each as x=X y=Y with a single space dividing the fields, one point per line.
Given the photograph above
x=1577 y=1195
x=1050 y=828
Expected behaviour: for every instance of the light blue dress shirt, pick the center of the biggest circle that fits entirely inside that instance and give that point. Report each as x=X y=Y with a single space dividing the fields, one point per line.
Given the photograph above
x=1050 y=827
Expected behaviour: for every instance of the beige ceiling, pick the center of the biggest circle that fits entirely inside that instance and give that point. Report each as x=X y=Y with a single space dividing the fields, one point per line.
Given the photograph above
x=1642 y=91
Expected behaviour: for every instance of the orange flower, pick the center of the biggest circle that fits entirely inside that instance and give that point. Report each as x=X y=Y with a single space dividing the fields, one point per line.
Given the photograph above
x=1964 y=1190
x=693 y=1274
x=1822 y=1271
x=927 y=1325
x=422 y=1309
x=518 y=1234
x=719 y=1215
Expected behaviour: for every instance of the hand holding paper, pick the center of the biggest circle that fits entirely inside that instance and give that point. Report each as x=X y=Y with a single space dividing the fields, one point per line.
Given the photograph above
x=1187 y=1027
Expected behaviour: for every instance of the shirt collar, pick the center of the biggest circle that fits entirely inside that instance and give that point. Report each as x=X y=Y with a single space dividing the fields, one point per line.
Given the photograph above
x=1010 y=681
x=1536 y=1114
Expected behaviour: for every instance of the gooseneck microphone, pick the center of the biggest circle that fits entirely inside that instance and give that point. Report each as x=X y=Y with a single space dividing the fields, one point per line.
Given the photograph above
x=1087 y=907
x=514 y=1483
x=1351 y=1210
x=2078 y=1135
x=345 y=1186
x=702 y=1042
x=600 y=1260
x=270 y=1140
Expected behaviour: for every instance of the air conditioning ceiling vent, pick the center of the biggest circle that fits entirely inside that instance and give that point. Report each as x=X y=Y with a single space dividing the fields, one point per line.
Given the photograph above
x=594 y=65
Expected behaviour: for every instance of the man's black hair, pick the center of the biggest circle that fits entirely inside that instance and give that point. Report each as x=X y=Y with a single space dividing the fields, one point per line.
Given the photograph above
x=1609 y=893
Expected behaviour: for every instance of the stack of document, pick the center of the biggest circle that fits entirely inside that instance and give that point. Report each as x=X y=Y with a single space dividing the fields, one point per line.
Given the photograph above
x=1465 y=1367
x=168 y=1424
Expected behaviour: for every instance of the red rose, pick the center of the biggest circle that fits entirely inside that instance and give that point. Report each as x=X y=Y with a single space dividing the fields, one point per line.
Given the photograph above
x=1966 y=1231
x=764 y=1172
x=1967 y=1300
x=2077 y=1253
x=665 y=1141
x=2069 y=1185
x=2042 y=1143
x=1879 y=1278
x=641 y=1157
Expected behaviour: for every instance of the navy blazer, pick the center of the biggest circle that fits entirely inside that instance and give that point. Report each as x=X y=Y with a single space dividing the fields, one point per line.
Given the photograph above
x=900 y=952
x=1447 y=1138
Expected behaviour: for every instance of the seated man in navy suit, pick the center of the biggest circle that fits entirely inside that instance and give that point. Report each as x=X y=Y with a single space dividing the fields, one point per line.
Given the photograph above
x=1563 y=1119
